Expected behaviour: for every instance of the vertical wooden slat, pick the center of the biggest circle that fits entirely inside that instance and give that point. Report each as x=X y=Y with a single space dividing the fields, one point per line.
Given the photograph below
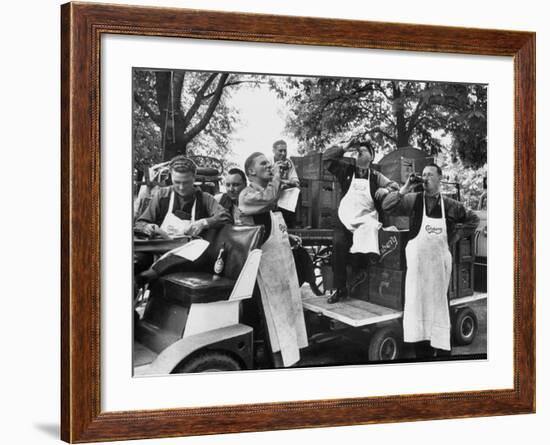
x=66 y=411
x=525 y=222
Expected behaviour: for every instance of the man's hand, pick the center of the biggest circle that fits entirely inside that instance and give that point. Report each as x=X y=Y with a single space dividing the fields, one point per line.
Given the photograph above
x=277 y=169
x=351 y=145
x=381 y=193
x=154 y=231
x=392 y=186
x=196 y=227
x=219 y=219
x=288 y=184
x=295 y=241
x=408 y=185
x=151 y=229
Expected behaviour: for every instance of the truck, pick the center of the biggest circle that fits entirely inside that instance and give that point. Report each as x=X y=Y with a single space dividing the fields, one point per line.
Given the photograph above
x=171 y=338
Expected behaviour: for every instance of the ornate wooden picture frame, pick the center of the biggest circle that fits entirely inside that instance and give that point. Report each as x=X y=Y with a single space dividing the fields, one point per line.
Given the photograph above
x=82 y=27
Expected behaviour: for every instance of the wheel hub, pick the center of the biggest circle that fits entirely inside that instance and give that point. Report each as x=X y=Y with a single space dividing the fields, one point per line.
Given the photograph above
x=467 y=327
x=388 y=349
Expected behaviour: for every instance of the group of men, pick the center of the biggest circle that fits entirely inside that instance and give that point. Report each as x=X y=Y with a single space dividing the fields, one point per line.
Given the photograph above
x=252 y=195
x=183 y=209
x=433 y=219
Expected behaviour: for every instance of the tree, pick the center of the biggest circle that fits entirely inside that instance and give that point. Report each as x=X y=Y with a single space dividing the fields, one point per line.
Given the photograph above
x=390 y=113
x=177 y=112
x=469 y=127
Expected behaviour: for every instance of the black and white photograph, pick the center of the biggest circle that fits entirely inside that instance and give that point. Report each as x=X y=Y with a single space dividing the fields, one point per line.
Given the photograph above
x=285 y=221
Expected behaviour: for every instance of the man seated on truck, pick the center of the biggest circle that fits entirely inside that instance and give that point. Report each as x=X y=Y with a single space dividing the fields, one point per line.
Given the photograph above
x=433 y=219
x=289 y=177
x=235 y=182
x=178 y=210
x=357 y=229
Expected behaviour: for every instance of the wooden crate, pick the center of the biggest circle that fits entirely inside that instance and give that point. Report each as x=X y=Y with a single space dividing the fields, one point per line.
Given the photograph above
x=465 y=279
x=401 y=222
x=480 y=274
x=298 y=162
x=310 y=167
x=387 y=287
x=466 y=247
x=392 y=248
x=462 y=276
x=305 y=193
x=303 y=216
x=318 y=204
x=329 y=192
x=328 y=218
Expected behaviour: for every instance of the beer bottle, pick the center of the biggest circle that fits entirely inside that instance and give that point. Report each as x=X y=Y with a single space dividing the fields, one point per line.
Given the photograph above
x=219 y=264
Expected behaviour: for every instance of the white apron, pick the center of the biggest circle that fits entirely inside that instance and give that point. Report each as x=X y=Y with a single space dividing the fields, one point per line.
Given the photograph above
x=359 y=215
x=429 y=264
x=280 y=292
x=174 y=226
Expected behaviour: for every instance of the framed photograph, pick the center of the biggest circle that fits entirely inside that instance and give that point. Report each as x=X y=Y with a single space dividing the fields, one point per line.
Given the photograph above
x=279 y=222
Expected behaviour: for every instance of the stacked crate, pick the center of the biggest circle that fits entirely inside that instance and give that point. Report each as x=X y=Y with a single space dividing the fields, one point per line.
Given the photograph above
x=462 y=276
x=386 y=281
x=319 y=193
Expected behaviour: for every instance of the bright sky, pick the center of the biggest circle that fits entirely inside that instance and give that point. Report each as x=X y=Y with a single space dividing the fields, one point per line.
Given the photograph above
x=261 y=123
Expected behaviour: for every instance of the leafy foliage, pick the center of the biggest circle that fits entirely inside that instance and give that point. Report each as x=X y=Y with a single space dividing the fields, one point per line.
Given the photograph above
x=179 y=112
x=391 y=114
x=469 y=127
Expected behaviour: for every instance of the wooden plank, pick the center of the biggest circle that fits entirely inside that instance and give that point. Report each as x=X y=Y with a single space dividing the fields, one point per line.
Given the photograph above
x=470 y=299
x=351 y=311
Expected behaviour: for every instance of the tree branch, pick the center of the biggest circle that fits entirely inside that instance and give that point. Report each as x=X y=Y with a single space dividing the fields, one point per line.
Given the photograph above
x=230 y=84
x=198 y=100
x=210 y=110
x=382 y=132
x=143 y=104
x=413 y=119
x=179 y=79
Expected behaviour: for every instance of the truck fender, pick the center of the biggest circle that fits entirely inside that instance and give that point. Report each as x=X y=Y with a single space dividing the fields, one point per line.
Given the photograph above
x=168 y=359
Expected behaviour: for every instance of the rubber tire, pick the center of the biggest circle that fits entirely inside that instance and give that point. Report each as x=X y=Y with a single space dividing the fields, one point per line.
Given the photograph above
x=384 y=337
x=465 y=314
x=208 y=361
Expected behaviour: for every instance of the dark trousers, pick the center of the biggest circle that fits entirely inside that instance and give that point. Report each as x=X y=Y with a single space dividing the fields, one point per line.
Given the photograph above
x=422 y=349
x=289 y=217
x=142 y=262
x=342 y=239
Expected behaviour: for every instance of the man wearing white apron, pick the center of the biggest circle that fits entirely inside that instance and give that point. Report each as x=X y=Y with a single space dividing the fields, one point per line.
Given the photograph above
x=426 y=319
x=280 y=267
x=357 y=231
x=181 y=209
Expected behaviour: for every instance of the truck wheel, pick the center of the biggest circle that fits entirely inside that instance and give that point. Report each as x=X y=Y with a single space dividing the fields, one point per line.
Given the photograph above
x=464 y=326
x=385 y=344
x=208 y=361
